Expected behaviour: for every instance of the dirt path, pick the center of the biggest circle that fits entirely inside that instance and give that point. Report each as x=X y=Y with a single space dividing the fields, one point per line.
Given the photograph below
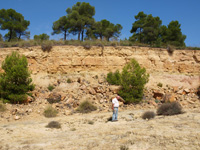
x=92 y=131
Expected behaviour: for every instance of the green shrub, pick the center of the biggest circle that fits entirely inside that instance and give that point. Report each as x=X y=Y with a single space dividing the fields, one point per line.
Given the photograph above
x=159 y=84
x=132 y=80
x=50 y=87
x=50 y=112
x=69 y=81
x=148 y=115
x=2 y=107
x=15 y=81
x=86 y=107
x=114 y=78
x=54 y=124
x=169 y=109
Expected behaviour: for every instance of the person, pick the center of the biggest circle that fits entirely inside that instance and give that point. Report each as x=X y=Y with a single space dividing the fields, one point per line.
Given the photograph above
x=115 y=106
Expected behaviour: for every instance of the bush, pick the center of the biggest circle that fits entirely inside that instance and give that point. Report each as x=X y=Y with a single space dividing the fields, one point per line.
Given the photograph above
x=15 y=81
x=86 y=107
x=114 y=78
x=46 y=46
x=169 y=109
x=50 y=112
x=54 y=124
x=124 y=147
x=69 y=81
x=87 y=46
x=132 y=80
x=91 y=122
x=148 y=115
x=2 y=107
x=50 y=87
x=170 y=50
x=159 y=84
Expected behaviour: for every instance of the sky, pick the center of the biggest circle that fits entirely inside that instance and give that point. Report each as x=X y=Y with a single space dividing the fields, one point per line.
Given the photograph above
x=42 y=14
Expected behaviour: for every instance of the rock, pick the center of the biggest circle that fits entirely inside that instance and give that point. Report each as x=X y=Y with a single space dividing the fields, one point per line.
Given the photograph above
x=175 y=89
x=157 y=95
x=14 y=111
x=180 y=91
x=101 y=101
x=186 y=91
x=70 y=101
x=91 y=91
x=54 y=98
x=101 y=80
x=152 y=102
x=169 y=98
x=16 y=117
x=99 y=96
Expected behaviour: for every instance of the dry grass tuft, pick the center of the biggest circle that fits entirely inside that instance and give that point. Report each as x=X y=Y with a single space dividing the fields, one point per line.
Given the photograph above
x=54 y=124
x=50 y=112
x=86 y=107
x=148 y=115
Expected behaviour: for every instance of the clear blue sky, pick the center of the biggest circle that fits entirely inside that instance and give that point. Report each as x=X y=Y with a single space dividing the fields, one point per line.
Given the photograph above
x=42 y=14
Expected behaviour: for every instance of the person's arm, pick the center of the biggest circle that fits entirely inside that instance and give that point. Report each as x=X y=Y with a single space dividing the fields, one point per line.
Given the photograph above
x=121 y=99
x=112 y=106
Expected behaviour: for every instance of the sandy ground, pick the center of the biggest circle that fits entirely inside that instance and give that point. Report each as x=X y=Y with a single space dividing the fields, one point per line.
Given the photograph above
x=93 y=132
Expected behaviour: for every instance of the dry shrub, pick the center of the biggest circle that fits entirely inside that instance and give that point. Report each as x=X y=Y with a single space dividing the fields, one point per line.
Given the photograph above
x=87 y=46
x=86 y=107
x=91 y=122
x=2 y=107
x=50 y=112
x=169 y=109
x=170 y=50
x=54 y=124
x=148 y=115
x=46 y=47
x=124 y=147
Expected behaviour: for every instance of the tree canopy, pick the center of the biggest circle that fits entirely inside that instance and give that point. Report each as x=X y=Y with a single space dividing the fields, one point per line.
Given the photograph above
x=61 y=26
x=41 y=37
x=149 y=30
x=81 y=18
x=13 y=22
x=104 y=29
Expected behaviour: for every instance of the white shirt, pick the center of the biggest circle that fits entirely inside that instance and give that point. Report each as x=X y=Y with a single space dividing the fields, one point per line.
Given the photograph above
x=115 y=102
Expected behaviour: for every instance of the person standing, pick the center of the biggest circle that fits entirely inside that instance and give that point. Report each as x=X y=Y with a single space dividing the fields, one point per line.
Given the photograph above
x=115 y=107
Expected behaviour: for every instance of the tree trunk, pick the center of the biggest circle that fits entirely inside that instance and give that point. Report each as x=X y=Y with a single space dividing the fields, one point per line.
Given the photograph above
x=82 y=34
x=10 y=36
x=79 y=34
x=101 y=37
x=65 y=35
x=19 y=37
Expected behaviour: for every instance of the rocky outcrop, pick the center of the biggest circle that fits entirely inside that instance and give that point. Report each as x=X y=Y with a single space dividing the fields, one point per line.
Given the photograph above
x=79 y=74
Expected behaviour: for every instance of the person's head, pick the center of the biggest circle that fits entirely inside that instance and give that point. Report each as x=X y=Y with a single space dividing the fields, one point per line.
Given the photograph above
x=118 y=97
